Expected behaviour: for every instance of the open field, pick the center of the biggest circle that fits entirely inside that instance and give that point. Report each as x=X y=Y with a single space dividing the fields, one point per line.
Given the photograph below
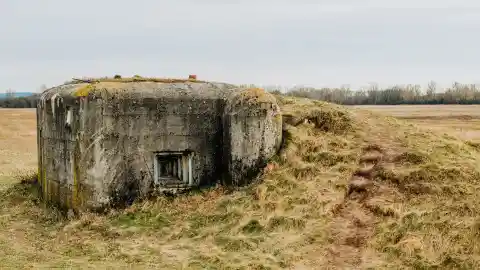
x=18 y=143
x=458 y=120
x=349 y=190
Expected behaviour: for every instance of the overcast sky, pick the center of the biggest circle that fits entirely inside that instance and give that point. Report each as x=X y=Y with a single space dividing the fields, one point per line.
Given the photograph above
x=282 y=42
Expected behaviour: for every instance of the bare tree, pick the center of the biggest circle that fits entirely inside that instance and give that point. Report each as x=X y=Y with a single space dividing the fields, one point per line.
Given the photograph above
x=10 y=93
x=431 y=89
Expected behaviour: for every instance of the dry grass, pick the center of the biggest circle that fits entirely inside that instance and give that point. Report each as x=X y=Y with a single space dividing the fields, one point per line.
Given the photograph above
x=350 y=189
x=18 y=144
x=462 y=121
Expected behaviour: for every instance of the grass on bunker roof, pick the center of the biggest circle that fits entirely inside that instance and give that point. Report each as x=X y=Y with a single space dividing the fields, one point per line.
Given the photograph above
x=350 y=189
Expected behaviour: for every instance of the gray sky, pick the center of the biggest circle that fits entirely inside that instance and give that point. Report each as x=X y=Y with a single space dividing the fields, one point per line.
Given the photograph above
x=267 y=42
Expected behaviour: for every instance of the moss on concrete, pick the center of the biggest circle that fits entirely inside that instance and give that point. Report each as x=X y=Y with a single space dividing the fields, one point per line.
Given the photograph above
x=84 y=90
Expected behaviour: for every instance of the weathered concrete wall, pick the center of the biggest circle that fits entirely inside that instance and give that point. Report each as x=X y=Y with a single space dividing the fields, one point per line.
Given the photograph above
x=252 y=134
x=56 y=145
x=138 y=125
x=106 y=152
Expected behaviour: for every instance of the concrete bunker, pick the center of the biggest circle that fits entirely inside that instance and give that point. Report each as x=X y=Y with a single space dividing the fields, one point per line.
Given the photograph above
x=110 y=140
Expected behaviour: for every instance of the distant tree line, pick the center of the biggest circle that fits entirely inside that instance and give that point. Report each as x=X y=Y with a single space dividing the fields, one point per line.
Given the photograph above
x=20 y=102
x=409 y=94
x=12 y=101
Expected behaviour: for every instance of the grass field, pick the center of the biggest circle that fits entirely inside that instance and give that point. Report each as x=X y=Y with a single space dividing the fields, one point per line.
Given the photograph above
x=458 y=120
x=18 y=143
x=350 y=189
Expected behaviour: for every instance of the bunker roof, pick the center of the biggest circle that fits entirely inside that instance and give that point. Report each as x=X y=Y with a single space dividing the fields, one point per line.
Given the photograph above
x=142 y=87
x=136 y=78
